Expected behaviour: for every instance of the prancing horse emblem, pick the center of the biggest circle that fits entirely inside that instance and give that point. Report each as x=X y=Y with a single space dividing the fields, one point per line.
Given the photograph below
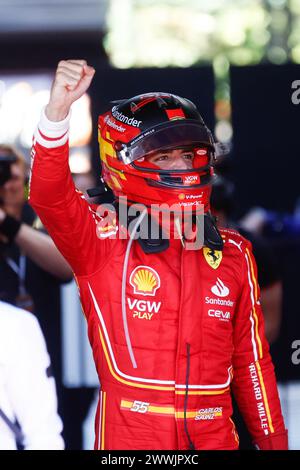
x=213 y=257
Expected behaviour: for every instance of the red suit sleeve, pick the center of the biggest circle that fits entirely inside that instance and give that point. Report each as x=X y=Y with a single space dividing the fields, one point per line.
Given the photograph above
x=63 y=210
x=254 y=383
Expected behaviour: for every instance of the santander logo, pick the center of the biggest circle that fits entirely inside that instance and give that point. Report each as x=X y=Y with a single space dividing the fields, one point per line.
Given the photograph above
x=219 y=289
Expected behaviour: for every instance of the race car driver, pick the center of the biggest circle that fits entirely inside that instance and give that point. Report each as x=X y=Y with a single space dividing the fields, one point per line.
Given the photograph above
x=171 y=328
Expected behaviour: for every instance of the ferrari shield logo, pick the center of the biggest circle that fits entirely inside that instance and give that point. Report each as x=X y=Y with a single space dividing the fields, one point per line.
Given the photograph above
x=213 y=257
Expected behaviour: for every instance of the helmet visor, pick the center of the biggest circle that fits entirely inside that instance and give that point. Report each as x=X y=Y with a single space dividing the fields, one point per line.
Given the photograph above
x=182 y=134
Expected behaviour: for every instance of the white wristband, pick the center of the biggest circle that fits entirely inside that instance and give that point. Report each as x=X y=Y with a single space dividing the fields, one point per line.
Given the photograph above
x=52 y=134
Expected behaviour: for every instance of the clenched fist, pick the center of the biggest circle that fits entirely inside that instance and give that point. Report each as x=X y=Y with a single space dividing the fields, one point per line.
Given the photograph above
x=72 y=79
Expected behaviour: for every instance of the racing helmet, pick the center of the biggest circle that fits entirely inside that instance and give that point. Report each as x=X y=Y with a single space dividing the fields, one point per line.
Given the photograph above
x=137 y=128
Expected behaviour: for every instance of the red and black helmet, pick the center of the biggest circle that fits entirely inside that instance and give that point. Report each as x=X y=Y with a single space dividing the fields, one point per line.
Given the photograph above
x=135 y=128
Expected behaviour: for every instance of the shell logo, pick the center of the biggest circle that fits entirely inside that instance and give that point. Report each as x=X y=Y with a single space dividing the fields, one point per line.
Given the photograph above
x=144 y=280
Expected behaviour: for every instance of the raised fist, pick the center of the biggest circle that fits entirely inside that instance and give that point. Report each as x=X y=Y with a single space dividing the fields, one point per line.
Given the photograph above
x=71 y=81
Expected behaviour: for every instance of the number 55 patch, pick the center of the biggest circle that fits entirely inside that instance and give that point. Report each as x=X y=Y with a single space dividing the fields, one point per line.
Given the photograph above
x=135 y=406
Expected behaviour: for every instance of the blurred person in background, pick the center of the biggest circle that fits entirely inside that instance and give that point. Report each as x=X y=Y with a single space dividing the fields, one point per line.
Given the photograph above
x=31 y=268
x=28 y=403
x=16 y=218
x=164 y=383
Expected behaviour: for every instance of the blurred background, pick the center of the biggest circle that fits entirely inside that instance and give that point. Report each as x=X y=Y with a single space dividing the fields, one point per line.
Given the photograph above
x=239 y=61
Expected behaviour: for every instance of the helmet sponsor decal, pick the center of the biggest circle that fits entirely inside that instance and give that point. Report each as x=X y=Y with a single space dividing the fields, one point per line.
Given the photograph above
x=114 y=125
x=191 y=179
x=130 y=121
x=194 y=196
x=201 y=152
x=213 y=257
x=144 y=280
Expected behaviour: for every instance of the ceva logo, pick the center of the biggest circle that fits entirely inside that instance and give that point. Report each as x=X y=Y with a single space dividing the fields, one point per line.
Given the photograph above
x=224 y=316
x=219 y=289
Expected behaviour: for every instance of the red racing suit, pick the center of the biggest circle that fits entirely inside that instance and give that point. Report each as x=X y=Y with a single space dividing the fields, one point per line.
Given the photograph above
x=194 y=321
